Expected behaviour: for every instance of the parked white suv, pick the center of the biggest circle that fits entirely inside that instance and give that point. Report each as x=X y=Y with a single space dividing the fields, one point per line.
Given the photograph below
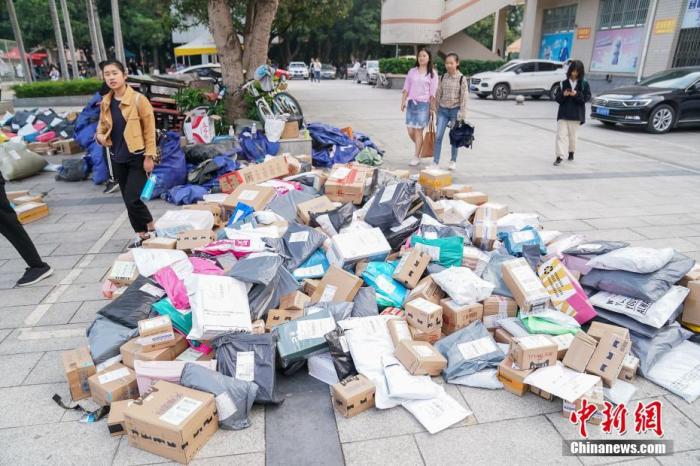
x=298 y=69
x=522 y=77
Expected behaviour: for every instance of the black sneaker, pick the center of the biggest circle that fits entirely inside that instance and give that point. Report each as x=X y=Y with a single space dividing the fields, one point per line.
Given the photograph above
x=111 y=186
x=571 y=156
x=557 y=161
x=138 y=241
x=33 y=275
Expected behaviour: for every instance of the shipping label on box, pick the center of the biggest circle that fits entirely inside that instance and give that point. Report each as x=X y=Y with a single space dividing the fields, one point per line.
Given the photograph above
x=399 y=331
x=423 y=314
x=254 y=196
x=420 y=357
x=497 y=308
x=77 y=368
x=156 y=333
x=115 y=383
x=337 y=286
x=411 y=267
x=485 y=234
x=533 y=352
x=123 y=273
x=456 y=316
x=527 y=289
x=353 y=395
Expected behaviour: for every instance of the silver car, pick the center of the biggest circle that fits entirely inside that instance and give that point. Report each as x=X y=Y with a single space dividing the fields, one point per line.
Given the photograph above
x=368 y=72
x=298 y=69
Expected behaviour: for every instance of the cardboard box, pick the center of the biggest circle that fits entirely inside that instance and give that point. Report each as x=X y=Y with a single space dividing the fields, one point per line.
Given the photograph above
x=541 y=393
x=31 y=212
x=456 y=316
x=309 y=286
x=66 y=147
x=475 y=259
x=77 y=368
x=427 y=336
x=501 y=336
x=453 y=189
x=173 y=421
x=435 y=178
x=563 y=343
x=156 y=333
x=485 y=234
x=291 y=130
x=692 y=276
x=215 y=209
x=353 y=395
x=294 y=301
x=533 y=352
x=580 y=351
x=420 y=357
x=276 y=167
x=595 y=396
x=28 y=198
x=691 y=307
x=115 y=383
x=123 y=273
x=473 y=197
x=12 y=195
x=346 y=184
x=513 y=380
x=354 y=246
x=497 y=308
x=398 y=330
x=43 y=148
x=629 y=368
x=277 y=317
x=316 y=205
x=426 y=289
x=256 y=197
x=598 y=330
x=608 y=356
x=490 y=211
x=132 y=351
x=528 y=291
x=336 y=286
x=192 y=239
x=411 y=267
x=116 y=422
x=160 y=243
x=423 y=314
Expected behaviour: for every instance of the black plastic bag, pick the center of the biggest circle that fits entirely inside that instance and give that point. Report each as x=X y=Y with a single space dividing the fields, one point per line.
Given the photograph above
x=203 y=173
x=230 y=346
x=234 y=398
x=134 y=304
x=331 y=222
x=342 y=359
x=198 y=153
x=73 y=170
x=398 y=235
x=390 y=205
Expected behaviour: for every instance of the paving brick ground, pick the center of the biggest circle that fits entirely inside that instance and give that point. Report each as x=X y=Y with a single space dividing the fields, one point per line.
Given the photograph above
x=624 y=185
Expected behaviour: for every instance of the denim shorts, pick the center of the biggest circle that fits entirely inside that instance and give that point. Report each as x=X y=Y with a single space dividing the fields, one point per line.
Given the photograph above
x=417 y=114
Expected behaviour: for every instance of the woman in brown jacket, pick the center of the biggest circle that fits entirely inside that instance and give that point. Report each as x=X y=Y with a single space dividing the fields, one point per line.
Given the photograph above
x=127 y=127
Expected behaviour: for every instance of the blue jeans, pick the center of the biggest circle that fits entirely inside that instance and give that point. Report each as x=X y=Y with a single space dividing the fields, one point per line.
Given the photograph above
x=444 y=116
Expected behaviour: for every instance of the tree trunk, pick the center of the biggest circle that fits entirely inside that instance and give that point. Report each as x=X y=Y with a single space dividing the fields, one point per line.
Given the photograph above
x=230 y=55
x=256 y=42
x=93 y=37
x=118 y=38
x=156 y=59
x=98 y=30
x=20 y=43
x=59 y=39
x=69 y=36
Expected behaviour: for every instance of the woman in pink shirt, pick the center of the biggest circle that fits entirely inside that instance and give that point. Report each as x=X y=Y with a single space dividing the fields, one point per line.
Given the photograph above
x=417 y=99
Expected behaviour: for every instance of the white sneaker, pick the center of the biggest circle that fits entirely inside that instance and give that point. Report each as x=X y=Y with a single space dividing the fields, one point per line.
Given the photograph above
x=414 y=163
x=434 y=166
x=452 y=166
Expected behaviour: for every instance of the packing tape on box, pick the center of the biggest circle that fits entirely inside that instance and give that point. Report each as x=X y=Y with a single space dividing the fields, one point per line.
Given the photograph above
x=88 y=416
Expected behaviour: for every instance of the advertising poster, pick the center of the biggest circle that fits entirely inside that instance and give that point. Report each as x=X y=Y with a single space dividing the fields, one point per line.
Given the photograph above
x=556 y=46
x=691 y=19
x=617 y=50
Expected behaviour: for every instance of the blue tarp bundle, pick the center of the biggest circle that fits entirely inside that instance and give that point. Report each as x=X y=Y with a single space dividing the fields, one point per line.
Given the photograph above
x=256 y=147
x=172 y=169
x=331 y=145
x=85 y=128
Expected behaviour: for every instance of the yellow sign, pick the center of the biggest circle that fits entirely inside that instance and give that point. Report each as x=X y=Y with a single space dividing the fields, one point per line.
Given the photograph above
x=665 y=26
x=583 y=33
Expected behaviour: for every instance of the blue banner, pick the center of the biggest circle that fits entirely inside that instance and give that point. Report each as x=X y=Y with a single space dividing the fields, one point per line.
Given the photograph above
x=556 y=46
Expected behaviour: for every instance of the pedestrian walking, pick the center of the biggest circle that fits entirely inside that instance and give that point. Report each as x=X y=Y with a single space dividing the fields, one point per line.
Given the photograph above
x=572 y=95
x=417 y=98
x=54 y=74
x=127 y=128
x=451 y=101
x=317 y=70
x=15 y=233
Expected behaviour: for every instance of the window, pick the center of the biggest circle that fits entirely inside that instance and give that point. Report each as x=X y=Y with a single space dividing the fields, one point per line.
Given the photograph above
x=562 y=19
x=543 y=66
x=622 y=13
x=527 y=67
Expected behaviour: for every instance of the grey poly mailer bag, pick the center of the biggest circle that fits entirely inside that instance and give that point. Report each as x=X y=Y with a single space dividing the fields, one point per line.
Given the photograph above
x=233 y=358
x=106 y=337
x=234 y=398
x=286 y=206
x=595 y=248
x=494 y=273
x=339 y=311
x=677 y=371
x=649 y=350
x=649 y=286
x=300 y=242
x=626 y=322
x=135 y=303
x=258 y=269
x=390 y=205
x=365 y=303
x=469 y=350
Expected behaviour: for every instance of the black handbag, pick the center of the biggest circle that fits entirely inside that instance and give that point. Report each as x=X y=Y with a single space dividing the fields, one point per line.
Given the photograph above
x=462 y=135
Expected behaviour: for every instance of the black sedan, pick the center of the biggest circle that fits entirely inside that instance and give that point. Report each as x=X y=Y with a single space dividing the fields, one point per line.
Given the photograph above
x=665 y=100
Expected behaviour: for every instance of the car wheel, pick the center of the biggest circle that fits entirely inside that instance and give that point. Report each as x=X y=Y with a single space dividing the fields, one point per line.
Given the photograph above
x=501 y=91
x=661 y=119
x=553 y=91
x=481 y=95
x=536 y=96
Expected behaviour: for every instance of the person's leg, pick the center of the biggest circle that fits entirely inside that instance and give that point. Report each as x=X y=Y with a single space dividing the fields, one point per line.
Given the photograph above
x=572 y=131
x=453 y=120
x=139 y=215
x=443 y=117
x=561 y=142
x=15 y=233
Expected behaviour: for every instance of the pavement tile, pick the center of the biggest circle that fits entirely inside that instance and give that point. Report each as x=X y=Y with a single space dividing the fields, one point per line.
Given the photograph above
x=35 y=229
x=679 y=244
x=670 y=219
x=530 y=441
x=56 y=263
x=665 y=231
x=59 y=313
x=24 y=296
x=87 y=311
x=247 y=459
x=67 y=249
x=17 y=412
x=690 y=410
x=497 y=405
x=15 y=368
x=115 y=246
x=40 y=339
x=48 y=369
x=566 y=225
x=619 y=234
x=622 y=222
x=81 y=292
x=676 y=426
x=74 y=443
x=380 y=452
x=686 y=458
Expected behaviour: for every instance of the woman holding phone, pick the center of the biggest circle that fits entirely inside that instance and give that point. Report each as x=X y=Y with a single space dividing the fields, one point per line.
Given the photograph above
x=572 y=95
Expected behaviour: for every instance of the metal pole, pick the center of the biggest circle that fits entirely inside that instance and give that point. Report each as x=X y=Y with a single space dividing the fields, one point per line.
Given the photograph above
x=59 y=40
x=93 y=37
x=118 y=39
x=20 y=43
x=98 y=30
x=647 y=37
x=69 y=35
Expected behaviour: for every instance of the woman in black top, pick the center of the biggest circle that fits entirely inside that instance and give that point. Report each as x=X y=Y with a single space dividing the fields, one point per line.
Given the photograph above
x=572 y=95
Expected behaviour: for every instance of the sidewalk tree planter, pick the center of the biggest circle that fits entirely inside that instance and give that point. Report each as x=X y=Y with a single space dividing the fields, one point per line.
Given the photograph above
x=76 y=87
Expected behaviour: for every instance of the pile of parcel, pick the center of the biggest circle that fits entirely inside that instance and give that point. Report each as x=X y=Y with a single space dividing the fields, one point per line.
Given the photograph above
x=375 y=284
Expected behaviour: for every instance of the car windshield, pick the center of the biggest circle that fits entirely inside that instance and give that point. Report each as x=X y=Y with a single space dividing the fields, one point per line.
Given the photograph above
x=675 y=79
x=508 y=66
x=373 y=64
x=327 y=67
x=297 y=65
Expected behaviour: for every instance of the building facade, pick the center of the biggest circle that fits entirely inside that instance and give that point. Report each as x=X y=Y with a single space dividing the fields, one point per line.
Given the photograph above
x=619 y=41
